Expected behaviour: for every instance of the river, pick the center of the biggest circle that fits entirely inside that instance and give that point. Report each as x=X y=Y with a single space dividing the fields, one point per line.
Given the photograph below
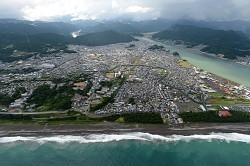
x=221 y=67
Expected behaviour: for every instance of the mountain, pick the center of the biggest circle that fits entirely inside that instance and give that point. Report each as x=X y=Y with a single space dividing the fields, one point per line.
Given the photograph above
x=154 y=25
x=34 y=27
x=103 y=38
x=121 y=26
x=64 y=28
x=117 y=26
x=20 y=47
x=229 y=43
x=236 y=25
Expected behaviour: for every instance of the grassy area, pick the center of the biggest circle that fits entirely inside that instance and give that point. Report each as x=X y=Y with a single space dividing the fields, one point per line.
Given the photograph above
x=120 y=120
x=212 y=116
x=184 y=63
x=71 y=118
x=220 y=101
x=17 y=122
x=216 y=95
x=72 y=122
x=75 y=118
x=153 y=118
x=227 y=101
x=218 y=98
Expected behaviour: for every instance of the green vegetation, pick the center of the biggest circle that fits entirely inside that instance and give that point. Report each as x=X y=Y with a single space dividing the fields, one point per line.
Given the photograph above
x=6 y=100
x=176 y=54
x=156 y=47
x=217 y=98
x=106 y=100
x=79 y=77
x=131 y=46
x=51 y=98
x=15 y=117
x=76 y=118
x=184 y=63
x=131 y=101
x=227 y=101
x=59 y=97
x=40 y=95
x=106 y=84
x=103 y=38
x=154 y=118
x=229 y=43
x=25 y=46
x=86 y=89
x=212 y=116
x=17 y=93
x=216 y=95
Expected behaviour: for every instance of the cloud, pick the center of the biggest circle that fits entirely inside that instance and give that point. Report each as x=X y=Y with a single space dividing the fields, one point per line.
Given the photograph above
x=115 y=4
x=136 y=9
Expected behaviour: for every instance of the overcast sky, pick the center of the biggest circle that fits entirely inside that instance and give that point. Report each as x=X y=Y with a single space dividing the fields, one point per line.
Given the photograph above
x=51 y=10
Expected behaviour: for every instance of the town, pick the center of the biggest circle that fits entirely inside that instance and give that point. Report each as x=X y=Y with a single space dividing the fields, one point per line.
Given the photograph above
x=120 y=78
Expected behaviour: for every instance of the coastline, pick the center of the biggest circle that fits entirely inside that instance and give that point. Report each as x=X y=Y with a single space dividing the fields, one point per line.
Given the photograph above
x=28 y=130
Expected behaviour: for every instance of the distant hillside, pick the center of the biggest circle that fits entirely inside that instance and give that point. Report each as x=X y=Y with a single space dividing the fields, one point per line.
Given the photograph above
x=119 y=27
x=16 y=46
x=230 y=43
x=35 y=27
x=19 y=47
x=103 y=38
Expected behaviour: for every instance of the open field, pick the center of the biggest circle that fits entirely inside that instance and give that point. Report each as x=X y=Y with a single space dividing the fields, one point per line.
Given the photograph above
x=218 y=98
x=184 y=63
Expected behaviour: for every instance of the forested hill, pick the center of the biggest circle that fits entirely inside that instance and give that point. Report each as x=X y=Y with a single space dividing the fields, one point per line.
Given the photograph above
x=46 y=43
x=230 y=43
x=103 y=38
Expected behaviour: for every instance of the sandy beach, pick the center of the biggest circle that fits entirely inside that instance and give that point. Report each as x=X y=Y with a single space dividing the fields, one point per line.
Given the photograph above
x=107 y=128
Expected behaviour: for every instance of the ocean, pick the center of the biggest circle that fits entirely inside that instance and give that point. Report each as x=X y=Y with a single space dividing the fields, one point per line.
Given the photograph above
x=127 y=149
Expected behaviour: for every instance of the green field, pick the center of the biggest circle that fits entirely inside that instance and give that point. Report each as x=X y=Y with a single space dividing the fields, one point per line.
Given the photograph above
x=212 y=116
x=218 y=98
x=76 y=118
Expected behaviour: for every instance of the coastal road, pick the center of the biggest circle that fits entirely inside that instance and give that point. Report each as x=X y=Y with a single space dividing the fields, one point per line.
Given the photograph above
x=32 y=113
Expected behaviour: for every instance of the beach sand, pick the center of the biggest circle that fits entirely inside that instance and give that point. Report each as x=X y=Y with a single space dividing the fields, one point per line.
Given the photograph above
x=108 y=128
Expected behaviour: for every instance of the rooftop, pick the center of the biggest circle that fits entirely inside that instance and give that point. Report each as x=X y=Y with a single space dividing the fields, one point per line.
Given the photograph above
x=224 y=113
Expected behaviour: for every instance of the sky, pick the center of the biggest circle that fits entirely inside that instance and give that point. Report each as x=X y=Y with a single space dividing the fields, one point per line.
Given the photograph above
x=52 y=10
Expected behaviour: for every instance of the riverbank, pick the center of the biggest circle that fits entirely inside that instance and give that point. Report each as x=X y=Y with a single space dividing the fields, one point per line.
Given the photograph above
x=198 y=51
x=224 y=68
x=28 y=130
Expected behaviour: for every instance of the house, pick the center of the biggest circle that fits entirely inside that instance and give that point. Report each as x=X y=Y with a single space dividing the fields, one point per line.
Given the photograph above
x=79 y=85
x=224 y=114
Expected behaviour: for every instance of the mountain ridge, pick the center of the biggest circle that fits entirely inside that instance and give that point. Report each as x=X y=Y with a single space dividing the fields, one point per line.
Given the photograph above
x=229 y=43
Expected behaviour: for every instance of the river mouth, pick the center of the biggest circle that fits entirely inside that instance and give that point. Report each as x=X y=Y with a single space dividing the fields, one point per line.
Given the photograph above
x=225 y=68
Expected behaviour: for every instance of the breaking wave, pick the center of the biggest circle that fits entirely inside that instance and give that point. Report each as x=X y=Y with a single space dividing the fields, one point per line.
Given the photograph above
x=94 y=138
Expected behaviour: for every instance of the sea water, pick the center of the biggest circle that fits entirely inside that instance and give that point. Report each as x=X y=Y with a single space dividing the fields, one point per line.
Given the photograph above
x=127 y=149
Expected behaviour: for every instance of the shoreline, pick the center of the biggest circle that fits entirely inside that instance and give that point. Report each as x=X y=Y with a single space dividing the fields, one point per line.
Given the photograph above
x=28 y=130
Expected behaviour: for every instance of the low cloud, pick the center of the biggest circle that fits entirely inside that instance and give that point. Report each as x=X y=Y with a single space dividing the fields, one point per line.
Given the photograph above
x=50 y=10
x=138 y=9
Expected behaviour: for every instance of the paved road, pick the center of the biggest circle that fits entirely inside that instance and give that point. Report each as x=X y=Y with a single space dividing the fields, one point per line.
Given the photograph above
x=32 y=113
